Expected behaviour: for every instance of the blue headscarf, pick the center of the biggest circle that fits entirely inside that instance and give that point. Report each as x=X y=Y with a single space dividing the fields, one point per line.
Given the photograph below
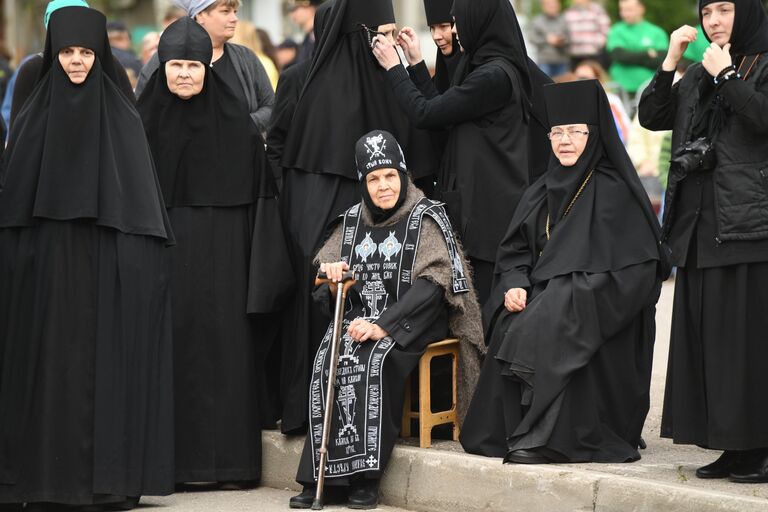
x=194 y=7
x=58 y=4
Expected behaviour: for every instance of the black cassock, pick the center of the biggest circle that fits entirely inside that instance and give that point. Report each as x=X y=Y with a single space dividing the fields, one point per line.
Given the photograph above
x=571 y=372
x=86 y=397
x=370 y=377
x=487 y=111
x=230 y=261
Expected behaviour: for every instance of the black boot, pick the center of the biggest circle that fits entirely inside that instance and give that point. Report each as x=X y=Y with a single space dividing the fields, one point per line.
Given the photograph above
x=364 y=494
x=753 y=469
x=303 y=500
x=723 y=466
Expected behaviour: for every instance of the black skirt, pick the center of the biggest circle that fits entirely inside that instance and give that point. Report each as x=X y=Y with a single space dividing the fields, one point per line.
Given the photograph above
x=217 y=347
x=571 y=373
x=715 y=394
x=309 y=203
x=85 y=365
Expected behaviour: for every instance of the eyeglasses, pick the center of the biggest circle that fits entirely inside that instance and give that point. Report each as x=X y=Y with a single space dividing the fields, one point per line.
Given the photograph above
x=572 y=134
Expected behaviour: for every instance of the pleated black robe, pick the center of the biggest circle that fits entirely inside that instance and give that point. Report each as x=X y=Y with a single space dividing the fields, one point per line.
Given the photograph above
x=86 y=392
x=569 y=375
x=229 y=262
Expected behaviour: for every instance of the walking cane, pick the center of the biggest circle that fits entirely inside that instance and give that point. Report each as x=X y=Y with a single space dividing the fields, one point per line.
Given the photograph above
x=347 y=282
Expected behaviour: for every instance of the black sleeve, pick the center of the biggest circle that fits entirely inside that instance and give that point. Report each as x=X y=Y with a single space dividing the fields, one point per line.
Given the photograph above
x=26 y=79
x=485 y=90
x=637 y=58
x=420 y=76
x=658 y=105
x=287 y=96
x=749 y=101
x=408 y=319
x=324 y=299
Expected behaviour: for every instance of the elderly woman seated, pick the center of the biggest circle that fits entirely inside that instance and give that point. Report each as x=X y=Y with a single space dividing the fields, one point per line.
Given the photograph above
x=413 y=287
x=571 y=324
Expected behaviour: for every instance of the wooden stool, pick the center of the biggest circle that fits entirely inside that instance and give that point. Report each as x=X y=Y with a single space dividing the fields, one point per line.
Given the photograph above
x=427 y=418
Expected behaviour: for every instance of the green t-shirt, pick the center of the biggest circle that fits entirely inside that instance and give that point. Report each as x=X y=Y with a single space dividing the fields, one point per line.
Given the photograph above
x=638 y=37
x=696 y=49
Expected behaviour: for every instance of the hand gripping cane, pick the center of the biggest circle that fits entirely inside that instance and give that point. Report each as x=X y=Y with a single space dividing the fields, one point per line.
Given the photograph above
x=347 y=282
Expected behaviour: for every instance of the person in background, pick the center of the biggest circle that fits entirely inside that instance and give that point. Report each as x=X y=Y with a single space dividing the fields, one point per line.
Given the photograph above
x=636 y=47
x=149 y=46
x=120 y=41
x=548 y=33
x=6 y=72
x=172 y=14
x=268 y=47
x=588 y=27
x=246 y=35
x=592 y=70
x=287 y=51
x=303 y=14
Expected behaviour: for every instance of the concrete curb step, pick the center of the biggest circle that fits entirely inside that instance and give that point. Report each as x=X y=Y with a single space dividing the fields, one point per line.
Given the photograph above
x=428 y=480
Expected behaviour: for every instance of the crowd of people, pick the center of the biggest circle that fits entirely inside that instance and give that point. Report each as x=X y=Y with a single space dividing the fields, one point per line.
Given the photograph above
x=164 y=219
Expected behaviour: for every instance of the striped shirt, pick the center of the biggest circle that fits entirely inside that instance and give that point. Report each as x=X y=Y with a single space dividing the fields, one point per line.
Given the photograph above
x=588 y=27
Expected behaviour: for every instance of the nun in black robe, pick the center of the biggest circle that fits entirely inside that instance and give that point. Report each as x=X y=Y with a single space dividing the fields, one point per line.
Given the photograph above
x=716 y=223
x=230 y=260
x=484 y=170
x=438 y=12
x=344 y=96
x=86 y=396
x=568 y=377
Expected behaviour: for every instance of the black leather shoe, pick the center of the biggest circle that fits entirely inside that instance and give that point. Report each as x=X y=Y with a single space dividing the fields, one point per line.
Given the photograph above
x=752 y=470
x=238 y=485
x=303 y=500
x=723 y=466
x=526 y=457
x=364 y=495
x=129 y=503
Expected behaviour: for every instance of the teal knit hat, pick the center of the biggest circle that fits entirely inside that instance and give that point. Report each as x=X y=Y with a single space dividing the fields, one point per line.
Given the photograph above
x=58 y=4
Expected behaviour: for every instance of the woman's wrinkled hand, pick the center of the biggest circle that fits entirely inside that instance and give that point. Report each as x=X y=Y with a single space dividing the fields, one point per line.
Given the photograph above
x=515 y=300
x=334 y=272
x=362 y=330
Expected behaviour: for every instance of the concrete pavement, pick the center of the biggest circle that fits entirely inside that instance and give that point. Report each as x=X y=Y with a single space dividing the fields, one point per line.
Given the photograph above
x=444 y=478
